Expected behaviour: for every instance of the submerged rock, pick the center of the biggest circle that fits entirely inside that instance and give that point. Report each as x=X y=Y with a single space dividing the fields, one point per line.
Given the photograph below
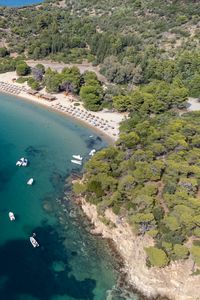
x=47 y=206
x=33 y=151
x=57 y=179
x=58 y=266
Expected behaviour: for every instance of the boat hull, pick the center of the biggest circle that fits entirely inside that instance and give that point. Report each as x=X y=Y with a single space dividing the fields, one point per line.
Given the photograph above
x=11 y=216
x=77 y=162
x=34 y=242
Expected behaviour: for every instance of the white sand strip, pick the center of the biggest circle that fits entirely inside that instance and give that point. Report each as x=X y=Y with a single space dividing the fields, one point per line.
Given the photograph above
x=104 y=121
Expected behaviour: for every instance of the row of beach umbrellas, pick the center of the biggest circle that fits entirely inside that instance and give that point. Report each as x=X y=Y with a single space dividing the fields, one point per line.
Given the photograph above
x=11 y=88
x=85 y=115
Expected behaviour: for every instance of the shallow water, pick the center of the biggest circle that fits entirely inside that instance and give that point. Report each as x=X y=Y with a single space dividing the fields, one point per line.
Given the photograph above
x=70 y=263
x=18 y=2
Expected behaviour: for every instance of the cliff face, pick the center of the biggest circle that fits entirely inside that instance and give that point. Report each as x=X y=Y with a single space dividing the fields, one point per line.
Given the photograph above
x=174 y=281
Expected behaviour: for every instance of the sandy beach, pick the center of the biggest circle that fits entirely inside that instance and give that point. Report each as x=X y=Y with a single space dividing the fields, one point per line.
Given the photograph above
x=105 y=122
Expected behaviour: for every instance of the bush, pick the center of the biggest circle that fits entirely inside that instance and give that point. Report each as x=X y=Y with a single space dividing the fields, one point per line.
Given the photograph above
x=180 y=251
x=95 y=187
x=22 y=79
x=195 y=251
x=153 y=233
x=33 y=84
x=92 y=96
x=197 y=232
x=3 y=52
x=40 y=67
x=78 y=188
x=157 y=257
x=22 y=69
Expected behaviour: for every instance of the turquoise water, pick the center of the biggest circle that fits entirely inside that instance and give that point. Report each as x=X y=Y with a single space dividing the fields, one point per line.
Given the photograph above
x=18 y=2
x=70 y=263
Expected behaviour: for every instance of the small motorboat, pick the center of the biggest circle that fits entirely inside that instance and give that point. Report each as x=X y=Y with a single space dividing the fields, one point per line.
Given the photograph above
x=25 y=162
x=11 y=216
x=77 y=157
x=78 y=162
x=92 y=152
x=34 y=242
x=30 y=181
x=18 y=163
x=22 y=162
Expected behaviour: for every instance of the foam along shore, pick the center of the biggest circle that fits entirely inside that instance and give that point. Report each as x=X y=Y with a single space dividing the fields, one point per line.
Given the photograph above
x=104 y=121
x=174 y=281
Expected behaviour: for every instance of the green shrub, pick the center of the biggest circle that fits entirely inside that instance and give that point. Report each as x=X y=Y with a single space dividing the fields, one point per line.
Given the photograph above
x=195 y=251
x=153 y=233
x=22 y=79
x=180 y=251
x=197 y=232
x=4 y=52
x=22 y=69
x=157 y=257
x=34 y=84
x=78 y=188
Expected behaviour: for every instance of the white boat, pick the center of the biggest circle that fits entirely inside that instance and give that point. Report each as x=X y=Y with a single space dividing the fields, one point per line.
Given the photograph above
x=18 y=163
x=78 y=162
x=11 y=216
x=30 y=181
x=25 y=162
x=34 y=242
x=92 y=152
x=77 y=157
x=22 y=162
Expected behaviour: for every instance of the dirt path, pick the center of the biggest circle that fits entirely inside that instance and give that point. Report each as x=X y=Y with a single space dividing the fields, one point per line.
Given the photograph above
x=160 y=198
x=194 y=104
x=59 y=66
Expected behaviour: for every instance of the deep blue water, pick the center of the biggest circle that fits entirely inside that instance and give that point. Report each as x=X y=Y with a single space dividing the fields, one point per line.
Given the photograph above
x=70 y=263
x=18 y=2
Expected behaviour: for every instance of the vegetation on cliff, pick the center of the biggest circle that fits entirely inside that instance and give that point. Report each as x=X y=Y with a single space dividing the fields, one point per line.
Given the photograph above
x=152 y=177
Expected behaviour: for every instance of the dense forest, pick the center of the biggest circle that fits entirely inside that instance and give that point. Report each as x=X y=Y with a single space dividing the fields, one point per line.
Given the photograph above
x=152 y=178
x=133 y=41
x=149 y=52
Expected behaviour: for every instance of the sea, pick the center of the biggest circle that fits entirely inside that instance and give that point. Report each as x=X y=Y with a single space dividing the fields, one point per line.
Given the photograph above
x=18 y=2
x=70 y=263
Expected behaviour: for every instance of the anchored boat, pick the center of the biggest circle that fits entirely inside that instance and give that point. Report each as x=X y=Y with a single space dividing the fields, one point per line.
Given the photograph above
x=92 y=152
x=30 y=181
x=11 y=216
x=78 y=162
x=22 y=162
x=34 y=242
x=77 y=157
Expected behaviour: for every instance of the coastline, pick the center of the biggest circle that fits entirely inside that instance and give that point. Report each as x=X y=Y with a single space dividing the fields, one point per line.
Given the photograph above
x=172 y=282
x=103 y=135
x=64 y=105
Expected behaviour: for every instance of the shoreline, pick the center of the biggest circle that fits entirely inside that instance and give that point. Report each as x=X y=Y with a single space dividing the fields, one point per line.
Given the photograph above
x=106 y=137
x=172 y=282
x=123 y=282
x=105 y=123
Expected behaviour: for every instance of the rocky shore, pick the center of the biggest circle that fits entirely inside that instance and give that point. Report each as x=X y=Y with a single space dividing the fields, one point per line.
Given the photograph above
x=174 y=281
